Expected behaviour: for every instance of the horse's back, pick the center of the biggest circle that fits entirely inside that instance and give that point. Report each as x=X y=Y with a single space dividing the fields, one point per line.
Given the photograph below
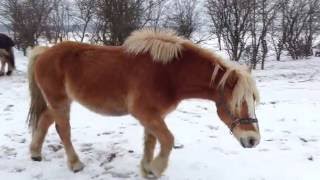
x=5 y=41
x=91 y=75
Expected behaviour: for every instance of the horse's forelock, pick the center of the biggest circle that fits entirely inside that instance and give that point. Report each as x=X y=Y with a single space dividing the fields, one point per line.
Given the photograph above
x=245 y=90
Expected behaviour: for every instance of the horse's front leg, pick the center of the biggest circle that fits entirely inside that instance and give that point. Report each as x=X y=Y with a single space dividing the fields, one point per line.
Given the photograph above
x=155 y=125
x=149 y=146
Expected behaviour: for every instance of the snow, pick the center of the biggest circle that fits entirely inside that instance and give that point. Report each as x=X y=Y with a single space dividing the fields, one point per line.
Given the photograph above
x=111 y=147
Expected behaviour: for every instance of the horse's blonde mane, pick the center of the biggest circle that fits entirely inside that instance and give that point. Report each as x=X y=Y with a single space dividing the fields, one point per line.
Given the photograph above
x=164 y=46
x=245 y=88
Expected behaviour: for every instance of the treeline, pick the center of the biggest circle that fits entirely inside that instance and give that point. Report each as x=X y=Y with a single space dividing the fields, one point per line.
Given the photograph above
x=106 y=22
x=249 y=28
x=246 y=29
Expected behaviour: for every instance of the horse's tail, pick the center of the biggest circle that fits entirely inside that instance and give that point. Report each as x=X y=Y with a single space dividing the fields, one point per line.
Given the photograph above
x=37 y=103
x=11 y=58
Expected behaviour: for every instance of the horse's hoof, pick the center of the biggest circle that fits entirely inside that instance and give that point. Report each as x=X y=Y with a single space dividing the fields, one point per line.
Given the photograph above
x=154 y=174
x=36 y=158
x=78 y=170
x=150 y=175
x=158 y=166
x=9 y=73
x=77 y=167
x=1 y=74
x=145 y=170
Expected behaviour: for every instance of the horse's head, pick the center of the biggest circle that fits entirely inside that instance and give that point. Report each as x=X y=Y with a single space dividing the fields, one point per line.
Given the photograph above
x=237 y=96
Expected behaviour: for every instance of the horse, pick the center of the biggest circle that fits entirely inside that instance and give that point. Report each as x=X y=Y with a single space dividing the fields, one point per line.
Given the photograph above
x=145 y=77
x=6 y=54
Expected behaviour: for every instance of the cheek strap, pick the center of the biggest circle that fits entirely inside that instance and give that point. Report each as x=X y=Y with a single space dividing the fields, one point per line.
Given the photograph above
x=235 y=121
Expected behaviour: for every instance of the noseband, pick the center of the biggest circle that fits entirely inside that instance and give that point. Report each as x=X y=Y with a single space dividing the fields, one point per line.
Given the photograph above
x=235 y=121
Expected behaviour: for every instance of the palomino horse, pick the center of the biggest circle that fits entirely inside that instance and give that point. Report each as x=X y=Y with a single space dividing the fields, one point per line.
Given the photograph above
x=146 y=77
x=6 y=54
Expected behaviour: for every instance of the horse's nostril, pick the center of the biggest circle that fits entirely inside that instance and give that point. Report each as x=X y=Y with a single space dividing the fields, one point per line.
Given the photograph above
x=252 y=141
x=242 y=142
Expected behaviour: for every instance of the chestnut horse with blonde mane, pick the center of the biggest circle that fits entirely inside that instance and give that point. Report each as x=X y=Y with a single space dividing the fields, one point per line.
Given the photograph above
x=146 y=77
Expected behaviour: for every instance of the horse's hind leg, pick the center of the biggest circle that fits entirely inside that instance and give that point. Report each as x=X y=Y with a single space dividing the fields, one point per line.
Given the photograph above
x=39 y=134
x=61 y=117
x=2 y=67
x=149 y=146
x=10 y=69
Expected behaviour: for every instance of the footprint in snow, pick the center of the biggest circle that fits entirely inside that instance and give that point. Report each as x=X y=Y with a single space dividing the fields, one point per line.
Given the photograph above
x=213 y=127
x=16 y=138
x=106 y=133
x=86 y=147
x=18 y=169
x=55 y=147
x=286 y=132
x=263 y=150
x=8 y=119
x=124 y=175
x=8 y=151
x=8 y=107
x=285 y=149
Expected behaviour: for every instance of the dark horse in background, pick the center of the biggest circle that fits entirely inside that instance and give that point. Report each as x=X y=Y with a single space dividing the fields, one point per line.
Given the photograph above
x=6 y=54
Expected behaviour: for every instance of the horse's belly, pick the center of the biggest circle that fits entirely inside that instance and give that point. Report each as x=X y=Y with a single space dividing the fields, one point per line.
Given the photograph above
x=107 y=107
x=100 y=101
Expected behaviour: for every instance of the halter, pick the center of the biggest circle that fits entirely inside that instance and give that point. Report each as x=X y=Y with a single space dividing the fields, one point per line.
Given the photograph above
x=235 y=121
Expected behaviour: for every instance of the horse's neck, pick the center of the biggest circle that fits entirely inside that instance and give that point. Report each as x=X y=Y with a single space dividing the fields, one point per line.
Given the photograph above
x=193 y=78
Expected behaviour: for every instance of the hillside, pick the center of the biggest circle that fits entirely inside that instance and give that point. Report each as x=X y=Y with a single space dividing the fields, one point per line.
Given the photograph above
x=111 y=147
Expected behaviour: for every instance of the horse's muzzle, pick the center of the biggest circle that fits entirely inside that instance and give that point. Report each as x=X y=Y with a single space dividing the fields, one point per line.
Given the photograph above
x=249 y=142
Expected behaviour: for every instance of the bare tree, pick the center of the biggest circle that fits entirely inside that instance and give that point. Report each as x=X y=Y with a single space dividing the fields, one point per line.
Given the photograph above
x=235 y=20
x=116 y=19
x=279 y=30
x=296 y=18
x=216 y=12
x=85 y=15
x=312 y=25
x=157 y=13
x=59 y=21
x=183 y=17
x=26 y=18
x=298 y=27
x=261 y=19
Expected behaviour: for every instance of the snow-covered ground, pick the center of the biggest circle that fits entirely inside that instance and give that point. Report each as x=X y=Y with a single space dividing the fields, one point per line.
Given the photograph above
x=111 y=147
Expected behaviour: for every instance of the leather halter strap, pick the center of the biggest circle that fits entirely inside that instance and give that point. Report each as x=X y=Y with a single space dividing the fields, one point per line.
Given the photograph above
x=235 y=121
